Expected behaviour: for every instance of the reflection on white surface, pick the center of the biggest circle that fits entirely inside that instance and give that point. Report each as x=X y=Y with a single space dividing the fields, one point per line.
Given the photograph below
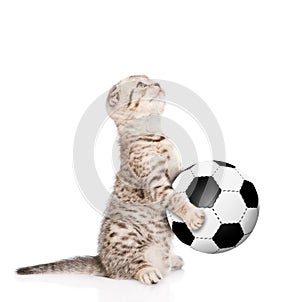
x=105 y=289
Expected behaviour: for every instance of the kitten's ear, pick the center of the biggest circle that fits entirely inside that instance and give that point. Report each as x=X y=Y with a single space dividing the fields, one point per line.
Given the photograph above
x=113 y=96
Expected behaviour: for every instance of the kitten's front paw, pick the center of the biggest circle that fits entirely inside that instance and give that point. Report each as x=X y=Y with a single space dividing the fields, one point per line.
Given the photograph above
x=194 y=218
x=149 y=275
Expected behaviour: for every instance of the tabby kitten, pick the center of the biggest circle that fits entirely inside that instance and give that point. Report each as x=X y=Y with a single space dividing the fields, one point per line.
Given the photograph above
x=135 y=238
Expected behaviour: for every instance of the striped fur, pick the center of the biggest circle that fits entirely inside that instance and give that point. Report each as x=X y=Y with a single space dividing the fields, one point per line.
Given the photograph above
x=86 y=265
x=135 y=238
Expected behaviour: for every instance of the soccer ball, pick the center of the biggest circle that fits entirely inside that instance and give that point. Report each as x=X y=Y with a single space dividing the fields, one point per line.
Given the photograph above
x=229 y=201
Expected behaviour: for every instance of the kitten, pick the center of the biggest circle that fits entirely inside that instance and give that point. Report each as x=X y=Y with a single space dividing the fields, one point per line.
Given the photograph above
x=135 y=237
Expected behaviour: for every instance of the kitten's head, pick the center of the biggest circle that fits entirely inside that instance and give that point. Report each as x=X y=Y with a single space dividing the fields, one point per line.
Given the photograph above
x=133 y=98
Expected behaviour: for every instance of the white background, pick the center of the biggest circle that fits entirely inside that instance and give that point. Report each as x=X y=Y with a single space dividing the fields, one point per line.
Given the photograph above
x=241 y=57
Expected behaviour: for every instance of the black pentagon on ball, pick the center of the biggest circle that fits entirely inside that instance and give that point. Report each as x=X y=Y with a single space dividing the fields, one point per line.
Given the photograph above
x=249 y=194
x=203 y=192
x=182 y=232
x=223 y=164
x=228 y=235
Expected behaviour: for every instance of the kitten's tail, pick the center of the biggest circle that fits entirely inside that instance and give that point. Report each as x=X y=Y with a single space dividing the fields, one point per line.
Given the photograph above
x=90 y=265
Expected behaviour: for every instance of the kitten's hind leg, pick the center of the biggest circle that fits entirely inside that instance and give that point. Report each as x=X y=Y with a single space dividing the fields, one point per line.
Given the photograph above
x=152 y=265
x=176 y=262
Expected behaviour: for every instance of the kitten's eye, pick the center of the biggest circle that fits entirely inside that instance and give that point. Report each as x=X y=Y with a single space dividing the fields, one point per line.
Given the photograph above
x=140 y=85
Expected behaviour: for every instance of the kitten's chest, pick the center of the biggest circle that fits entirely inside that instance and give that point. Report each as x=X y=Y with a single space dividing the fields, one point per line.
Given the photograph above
x=172 y=157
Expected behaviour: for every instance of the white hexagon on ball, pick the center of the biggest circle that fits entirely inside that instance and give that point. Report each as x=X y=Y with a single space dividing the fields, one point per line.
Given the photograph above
x=206 y=168
x=228 y=179
x=249 y=220
x=204 y=246
x=229 y=207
